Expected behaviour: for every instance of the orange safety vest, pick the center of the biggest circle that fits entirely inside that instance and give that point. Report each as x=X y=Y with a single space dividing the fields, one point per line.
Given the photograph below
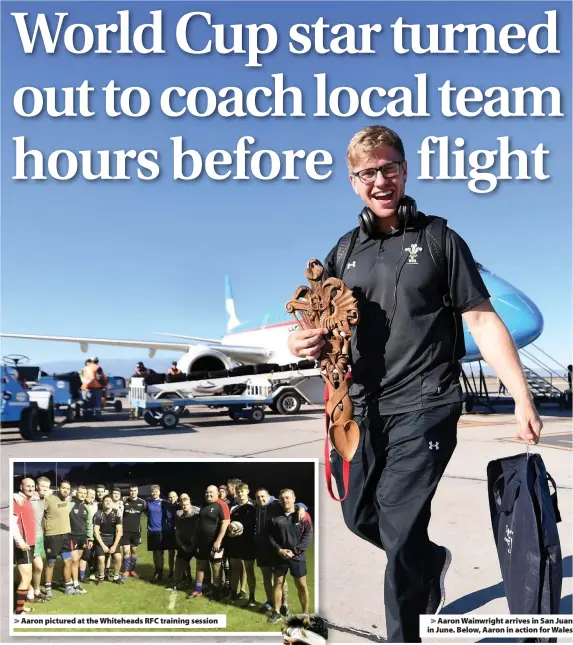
x=89 y=379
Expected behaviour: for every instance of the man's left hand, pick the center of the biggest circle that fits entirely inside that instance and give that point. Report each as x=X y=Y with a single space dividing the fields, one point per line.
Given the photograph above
x=301 y=514
x=529 y=424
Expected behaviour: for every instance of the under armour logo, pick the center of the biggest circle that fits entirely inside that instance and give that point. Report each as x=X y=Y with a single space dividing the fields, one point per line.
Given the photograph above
x=351 y=265
x=434 y=445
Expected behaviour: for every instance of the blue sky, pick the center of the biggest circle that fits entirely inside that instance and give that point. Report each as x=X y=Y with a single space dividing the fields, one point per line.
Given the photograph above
x=128 y=258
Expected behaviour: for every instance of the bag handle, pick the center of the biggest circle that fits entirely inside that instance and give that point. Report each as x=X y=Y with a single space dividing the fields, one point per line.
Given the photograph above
x=510 y=493
x=554 y=499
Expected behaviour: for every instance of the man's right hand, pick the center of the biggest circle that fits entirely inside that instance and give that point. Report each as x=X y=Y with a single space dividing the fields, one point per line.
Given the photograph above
x=285 y=554
x=23 y=546
x=307 y=343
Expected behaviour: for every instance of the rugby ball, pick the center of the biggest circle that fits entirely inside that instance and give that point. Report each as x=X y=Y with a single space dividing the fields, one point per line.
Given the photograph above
x=235 y=529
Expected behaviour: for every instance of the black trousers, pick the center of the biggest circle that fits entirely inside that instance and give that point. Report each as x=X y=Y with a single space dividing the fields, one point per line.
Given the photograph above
x=393 y=477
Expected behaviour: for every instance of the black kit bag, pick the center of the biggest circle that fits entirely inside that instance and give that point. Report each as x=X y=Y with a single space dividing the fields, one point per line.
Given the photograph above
x=524 y=517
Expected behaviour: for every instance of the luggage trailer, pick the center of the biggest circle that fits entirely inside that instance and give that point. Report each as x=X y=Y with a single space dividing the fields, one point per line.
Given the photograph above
x=283 y=392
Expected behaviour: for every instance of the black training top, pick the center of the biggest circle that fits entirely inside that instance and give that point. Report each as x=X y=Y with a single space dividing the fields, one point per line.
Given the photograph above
x=209 y=522
x=107 y=523
x=406 y=347
x=133 y=509
x=79 y=518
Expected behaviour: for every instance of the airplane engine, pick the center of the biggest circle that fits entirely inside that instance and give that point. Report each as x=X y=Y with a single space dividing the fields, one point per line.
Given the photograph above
x=202 y=358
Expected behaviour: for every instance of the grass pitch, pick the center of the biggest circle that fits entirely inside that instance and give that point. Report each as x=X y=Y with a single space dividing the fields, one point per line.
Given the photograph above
x=142 y=597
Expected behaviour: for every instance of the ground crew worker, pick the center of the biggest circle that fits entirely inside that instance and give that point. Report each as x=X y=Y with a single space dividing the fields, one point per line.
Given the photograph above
x=141 y=370
x=93 y=385
x=174 y=371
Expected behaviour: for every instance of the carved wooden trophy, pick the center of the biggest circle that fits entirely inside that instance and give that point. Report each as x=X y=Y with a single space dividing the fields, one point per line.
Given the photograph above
x=331 y=305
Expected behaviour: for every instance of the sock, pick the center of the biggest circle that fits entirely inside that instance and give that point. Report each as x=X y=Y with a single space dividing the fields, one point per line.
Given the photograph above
x=69 y=585
x=75 y=583
x=82 y=575
x=133 y=561
x=37 y=591
x=198 y=586
x=20 y=600
x=48 y=586
x=116 y=576
x=30 y=594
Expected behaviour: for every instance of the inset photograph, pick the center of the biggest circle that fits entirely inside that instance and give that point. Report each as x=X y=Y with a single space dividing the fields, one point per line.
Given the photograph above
x=215 y=545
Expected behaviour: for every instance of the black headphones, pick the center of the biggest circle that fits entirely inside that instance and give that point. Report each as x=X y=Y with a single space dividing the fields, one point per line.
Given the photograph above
x=407 y=213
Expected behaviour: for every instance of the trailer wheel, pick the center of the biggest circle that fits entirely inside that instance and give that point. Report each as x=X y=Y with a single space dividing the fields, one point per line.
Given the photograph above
x=170 y=420
x=118 y=406
x=288 y=403
x=30 y=424
x=235 y=412
x=46 y=419
x=150 y=418
x=256 y=415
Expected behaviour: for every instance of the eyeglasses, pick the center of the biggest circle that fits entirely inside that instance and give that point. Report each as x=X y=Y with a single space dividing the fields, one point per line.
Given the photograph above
x=389 y=170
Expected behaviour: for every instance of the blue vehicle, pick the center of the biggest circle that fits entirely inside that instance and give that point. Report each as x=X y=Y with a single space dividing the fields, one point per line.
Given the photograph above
x=31 y=409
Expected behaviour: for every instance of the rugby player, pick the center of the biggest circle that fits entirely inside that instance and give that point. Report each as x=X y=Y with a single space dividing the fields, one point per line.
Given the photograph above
x=117 y=501
x=241 y=548
x=291 y=538
x=185 y=523
x=155 y=510
x=107 y=534
x=91 y=561
x=186 y=575
x=222 y=492
x=57 y=531
x=267 y=508
x=133 y=509
x=169 y=542
x=214 y=518
x=38 y=502
x=232 y=490
x=81 y=534
x=24 y=534
x=100 y=494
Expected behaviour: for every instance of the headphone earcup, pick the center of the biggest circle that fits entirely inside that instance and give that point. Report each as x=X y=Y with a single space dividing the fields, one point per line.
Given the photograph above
x=407 y=210
x=366 y=218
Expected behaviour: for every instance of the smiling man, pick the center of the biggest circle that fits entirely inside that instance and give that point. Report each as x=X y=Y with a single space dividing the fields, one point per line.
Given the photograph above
x=415 y=280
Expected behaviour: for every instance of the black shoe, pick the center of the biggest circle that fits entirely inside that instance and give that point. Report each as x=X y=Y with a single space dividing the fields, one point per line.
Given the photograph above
x=284 y=610
x=274 y=617
x=436 y=590
x=100 y=581
x=242 y=596
x=118 y=581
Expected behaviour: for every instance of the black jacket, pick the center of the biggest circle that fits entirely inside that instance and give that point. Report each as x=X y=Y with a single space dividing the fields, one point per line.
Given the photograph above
x=287 y=532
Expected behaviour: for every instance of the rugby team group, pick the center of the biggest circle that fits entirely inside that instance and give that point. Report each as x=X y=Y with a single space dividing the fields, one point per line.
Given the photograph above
x=97 y=531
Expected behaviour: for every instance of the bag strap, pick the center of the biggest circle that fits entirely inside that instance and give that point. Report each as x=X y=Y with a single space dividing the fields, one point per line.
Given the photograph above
x=344 y=249
x=435 y=232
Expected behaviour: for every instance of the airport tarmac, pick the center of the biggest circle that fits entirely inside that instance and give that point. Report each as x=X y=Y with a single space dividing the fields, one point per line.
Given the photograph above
x=351 y=571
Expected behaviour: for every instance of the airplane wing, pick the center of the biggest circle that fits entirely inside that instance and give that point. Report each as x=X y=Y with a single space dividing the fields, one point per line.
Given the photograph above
x=236 y=352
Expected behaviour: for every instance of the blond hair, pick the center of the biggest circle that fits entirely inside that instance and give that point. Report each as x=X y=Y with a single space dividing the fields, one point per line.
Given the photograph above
x=370 y=138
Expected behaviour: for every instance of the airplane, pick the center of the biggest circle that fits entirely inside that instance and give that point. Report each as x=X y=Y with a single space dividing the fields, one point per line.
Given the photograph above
x=264 y=340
